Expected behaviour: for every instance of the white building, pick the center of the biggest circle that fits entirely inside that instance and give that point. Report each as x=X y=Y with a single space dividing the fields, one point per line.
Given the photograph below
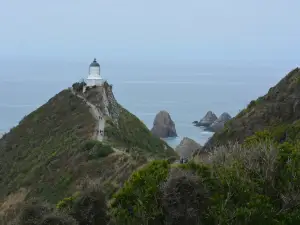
x=94 y=77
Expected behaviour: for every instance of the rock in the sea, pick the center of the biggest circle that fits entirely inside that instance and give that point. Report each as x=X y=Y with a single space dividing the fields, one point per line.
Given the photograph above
x=187 y=148
x=163 y=125
x=219 y=123
x=207 y=120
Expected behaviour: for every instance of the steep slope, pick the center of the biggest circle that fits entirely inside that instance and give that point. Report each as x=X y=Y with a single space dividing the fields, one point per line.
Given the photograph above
x=276 y=111
x=56 y=147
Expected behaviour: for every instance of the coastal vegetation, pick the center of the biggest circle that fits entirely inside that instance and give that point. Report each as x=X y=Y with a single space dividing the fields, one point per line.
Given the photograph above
x=54 y=173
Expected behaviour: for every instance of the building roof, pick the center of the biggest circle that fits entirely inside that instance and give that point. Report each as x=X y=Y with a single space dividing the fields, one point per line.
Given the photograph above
x=95 y=64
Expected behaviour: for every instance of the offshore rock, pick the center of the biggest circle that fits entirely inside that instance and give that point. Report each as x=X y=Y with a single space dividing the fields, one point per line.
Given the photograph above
x=207 y=120
x=163 y=125
x=219 y=123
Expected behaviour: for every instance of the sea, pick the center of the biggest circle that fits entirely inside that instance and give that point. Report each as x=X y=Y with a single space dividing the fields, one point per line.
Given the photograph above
x=186 y=91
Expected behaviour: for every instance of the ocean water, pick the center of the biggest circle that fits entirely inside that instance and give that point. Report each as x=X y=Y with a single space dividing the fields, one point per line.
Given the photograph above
x=187 y=92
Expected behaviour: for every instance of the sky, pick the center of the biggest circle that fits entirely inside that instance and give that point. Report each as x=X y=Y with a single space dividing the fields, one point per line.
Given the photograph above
x=150 y=31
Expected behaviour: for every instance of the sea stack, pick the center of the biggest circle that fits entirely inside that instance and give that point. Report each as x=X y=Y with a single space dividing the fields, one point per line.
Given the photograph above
x=207 y=120
x=218 y=124
x=163 y=125
x=187 y=147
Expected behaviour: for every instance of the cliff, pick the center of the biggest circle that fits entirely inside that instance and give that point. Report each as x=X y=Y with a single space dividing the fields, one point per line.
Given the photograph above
x=59 y=144
x=276 y=111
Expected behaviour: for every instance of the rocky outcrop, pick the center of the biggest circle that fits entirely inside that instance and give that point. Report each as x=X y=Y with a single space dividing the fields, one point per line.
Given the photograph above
x=207 y=120
x=103 y=98
x=163 y=125
x=219 y=123
x=187 y=148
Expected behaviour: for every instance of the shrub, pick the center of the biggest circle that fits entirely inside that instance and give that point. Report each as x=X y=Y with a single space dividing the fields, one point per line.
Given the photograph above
x=138 y=201
x=67 y=202
x=32 y=213
x=184 y=198
x=244 y=184
x=88 y=207
x=78 y=86
x=58 y=219
x=96 y=149
x=251 y=104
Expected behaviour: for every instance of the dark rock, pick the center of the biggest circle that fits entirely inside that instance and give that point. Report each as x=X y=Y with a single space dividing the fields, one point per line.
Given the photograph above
x=207 y=120
x=187 y=147
x=163 y=125
x=219 y=123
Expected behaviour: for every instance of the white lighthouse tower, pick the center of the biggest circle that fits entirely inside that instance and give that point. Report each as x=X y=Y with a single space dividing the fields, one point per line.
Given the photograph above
x=94 y=77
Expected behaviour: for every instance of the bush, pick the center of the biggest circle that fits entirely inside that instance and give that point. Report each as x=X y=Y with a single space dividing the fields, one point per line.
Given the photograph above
x=78 y=86
x=251 y=104
x=32 y=213
x=96 y=149
x=57 y=219
x=88 y=207
x=255 y=184
x=184 y=198
x=138 y=201
x=67 y=202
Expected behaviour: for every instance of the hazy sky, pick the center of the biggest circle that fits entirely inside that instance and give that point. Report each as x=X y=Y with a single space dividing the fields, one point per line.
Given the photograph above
x=189 y=30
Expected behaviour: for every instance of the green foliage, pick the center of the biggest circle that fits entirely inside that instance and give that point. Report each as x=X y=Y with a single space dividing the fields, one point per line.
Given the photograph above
x=36 y=213
x=32 y=213
x=259 y=136
x=78 y=86
x=57 y=219
x=67 y=202
x=278 y=109
x=245 y=184
x=251 y=104
x=277 y=134
x=39 y=152
x=88 y=207
x=138 y=201
x=96 y=149
x=184 y=198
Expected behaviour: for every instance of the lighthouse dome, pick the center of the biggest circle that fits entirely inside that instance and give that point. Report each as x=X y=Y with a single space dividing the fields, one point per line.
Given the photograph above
x=95 y=64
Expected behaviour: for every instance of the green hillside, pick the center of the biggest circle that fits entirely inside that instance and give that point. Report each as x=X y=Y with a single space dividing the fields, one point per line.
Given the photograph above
x=278 y=111
x=51 y=151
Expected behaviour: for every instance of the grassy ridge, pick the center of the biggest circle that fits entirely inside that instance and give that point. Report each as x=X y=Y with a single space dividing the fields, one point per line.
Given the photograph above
x=281 y=105
x=38 y=152
x=136 y=137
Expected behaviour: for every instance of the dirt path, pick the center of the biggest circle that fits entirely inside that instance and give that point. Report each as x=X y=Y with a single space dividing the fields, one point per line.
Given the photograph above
x=97 y=114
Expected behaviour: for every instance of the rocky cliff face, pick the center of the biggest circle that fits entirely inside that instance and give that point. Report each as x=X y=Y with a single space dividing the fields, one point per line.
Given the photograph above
x=281 y=105
x=218 y=124
x=163 y=125
x=207 y=120
x=104 y=99
x=187 y=148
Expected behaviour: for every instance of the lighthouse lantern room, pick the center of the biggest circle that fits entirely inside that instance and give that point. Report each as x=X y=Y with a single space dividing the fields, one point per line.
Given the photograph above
x=94 y=78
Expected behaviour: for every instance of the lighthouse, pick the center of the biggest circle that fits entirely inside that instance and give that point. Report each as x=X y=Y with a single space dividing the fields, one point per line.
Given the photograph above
x=94 y=78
